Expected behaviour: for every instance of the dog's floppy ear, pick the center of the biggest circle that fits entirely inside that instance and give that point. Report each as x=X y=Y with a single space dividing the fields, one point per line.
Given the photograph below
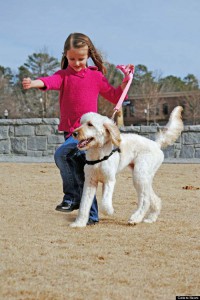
x=114 y=133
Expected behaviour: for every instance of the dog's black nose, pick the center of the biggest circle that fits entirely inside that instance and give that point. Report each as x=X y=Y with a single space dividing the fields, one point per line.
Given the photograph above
x=75 y=134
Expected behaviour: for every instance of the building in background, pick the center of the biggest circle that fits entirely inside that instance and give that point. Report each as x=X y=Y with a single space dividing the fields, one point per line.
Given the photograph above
x=141 y=110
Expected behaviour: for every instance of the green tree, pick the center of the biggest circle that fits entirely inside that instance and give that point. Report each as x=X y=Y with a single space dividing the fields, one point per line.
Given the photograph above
x=191 y=82
x=141 y=76
x=41 y=64
x=172 y=84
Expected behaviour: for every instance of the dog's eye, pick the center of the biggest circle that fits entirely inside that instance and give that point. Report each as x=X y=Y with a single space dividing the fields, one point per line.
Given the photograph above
x=90 y=124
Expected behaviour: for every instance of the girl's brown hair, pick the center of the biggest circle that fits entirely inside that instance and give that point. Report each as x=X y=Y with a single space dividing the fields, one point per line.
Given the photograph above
x=79 y=40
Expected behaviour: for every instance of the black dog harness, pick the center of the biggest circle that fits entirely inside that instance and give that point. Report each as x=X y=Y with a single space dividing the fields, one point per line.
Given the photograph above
x=93 y=162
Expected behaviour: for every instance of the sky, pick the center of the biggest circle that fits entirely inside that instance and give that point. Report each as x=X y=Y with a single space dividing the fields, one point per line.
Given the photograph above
x=163 y=35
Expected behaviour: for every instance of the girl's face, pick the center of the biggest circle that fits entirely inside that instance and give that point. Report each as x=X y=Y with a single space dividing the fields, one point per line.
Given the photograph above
x=77 y=58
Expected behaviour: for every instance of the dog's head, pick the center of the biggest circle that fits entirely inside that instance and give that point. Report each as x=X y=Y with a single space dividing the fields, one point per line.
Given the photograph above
x=96 y=131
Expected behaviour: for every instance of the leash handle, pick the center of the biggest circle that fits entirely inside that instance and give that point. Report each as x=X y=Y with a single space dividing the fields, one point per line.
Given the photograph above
x=123 y=95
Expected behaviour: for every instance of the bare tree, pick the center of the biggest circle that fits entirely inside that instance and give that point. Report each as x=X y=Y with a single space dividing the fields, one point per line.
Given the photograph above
x=6 y=103
x=149 y=89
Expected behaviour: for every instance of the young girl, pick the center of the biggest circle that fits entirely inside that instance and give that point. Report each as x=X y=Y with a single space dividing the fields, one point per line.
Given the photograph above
x=79 y=87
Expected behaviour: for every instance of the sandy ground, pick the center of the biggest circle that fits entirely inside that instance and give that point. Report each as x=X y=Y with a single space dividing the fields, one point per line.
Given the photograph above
x=43 y=258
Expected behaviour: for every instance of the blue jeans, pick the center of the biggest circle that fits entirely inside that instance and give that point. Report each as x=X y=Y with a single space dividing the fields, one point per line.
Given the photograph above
x=70 y=162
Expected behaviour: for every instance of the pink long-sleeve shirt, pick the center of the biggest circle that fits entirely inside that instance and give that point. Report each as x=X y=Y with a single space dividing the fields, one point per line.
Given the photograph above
x=79 y=93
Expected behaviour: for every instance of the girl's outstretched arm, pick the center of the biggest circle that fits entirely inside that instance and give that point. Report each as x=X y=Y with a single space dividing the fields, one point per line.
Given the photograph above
x=28 y=83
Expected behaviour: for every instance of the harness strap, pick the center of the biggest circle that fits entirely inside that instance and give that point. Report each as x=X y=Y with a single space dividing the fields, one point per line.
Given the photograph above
x=93 y=162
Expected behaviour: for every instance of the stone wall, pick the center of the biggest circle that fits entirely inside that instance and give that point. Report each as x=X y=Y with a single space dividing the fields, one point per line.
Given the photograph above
x=187 y=145
x=40 y=137
x=29 y=137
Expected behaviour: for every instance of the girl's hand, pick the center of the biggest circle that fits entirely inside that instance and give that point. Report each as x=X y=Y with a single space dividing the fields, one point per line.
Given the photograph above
x=26 y=82
x=127 y=70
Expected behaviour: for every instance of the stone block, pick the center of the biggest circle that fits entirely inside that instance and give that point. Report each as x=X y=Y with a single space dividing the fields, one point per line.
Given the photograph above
x=4 y=132
x=6 y=122
x=191 y=138
x=38 y=143
x=24 y=130
x=194 y=128
x=5 y=146
x=55 y=139
x=51 y=121
x=43 y=130
x=33 y=121
x=187 y=151
x=197 y=152
x=18 y=145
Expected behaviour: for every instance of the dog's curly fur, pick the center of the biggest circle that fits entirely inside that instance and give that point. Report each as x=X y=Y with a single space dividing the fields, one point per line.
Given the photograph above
x=97 y=135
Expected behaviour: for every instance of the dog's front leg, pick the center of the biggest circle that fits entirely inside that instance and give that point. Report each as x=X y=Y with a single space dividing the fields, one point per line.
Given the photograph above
x=108 y=189
x=89 y=191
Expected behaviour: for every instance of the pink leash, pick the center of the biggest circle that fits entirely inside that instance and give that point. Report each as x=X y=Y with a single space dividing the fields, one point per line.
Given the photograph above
x=130 y=72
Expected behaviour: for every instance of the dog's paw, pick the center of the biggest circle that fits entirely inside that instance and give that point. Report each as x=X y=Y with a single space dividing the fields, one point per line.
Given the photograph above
x=135 y=219
x=130 y=222
x=77 y=224
x=150 y=219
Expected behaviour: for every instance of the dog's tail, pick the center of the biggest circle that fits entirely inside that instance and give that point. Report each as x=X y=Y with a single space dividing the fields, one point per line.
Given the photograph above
x=173 y=129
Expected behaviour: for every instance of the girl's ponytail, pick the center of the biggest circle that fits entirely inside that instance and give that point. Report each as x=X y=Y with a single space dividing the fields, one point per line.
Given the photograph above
x=64 y=62
x=97 y=58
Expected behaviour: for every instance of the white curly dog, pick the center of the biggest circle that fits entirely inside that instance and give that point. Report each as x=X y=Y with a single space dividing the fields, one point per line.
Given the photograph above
x=100 y=136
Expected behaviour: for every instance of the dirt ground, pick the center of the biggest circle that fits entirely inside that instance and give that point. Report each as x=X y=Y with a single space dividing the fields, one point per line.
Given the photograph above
x=43 y=258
